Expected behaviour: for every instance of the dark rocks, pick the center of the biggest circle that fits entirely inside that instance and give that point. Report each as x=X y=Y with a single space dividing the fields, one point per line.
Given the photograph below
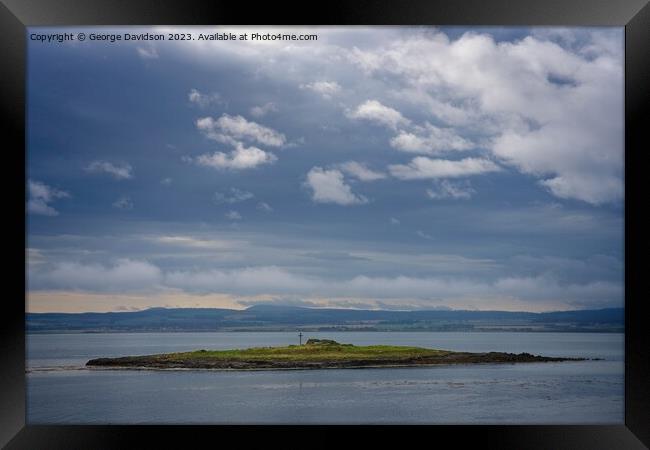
x=322 y=342
x=155 y=362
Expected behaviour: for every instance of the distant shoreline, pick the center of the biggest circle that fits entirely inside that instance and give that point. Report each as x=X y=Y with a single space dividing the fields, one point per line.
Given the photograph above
x=608 y=331
x=263 y=318
x=315 y=354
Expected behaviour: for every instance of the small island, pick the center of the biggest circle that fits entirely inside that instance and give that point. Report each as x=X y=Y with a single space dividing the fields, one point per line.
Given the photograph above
x=315 y=354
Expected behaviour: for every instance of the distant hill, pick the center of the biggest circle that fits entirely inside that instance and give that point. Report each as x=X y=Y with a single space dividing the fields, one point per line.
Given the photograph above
x=289 y=318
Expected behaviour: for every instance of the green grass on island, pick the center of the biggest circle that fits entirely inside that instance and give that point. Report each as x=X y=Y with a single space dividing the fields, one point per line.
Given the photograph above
x=315 y=354
x=310 y=351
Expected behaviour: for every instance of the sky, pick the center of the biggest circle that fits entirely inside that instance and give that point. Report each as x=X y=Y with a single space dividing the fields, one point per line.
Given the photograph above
x=375 y=167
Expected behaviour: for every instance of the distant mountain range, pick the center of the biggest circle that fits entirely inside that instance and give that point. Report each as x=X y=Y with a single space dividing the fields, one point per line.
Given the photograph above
x=291 y=318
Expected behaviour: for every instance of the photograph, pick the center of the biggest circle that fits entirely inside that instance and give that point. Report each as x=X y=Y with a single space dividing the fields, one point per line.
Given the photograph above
x=325 y=225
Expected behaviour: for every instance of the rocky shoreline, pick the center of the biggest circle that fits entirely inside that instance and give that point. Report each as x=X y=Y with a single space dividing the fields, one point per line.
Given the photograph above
x=154 y=362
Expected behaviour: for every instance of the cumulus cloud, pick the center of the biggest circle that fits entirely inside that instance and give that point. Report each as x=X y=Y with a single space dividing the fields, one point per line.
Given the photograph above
x=325 y=88
x=374 y=111
x=578 y=175
x=117 y=171
x=147 y=53
x=238 y=159
x=361 y=171
x=328 y=186
x=123 y=203
x=233 y=215
x=229 y=129
x=430 y=139
x=232 y=130
x=539 y=103
x=422 y=167
x=589 y=187
x=447 y=189
x=263 y=110
x=40 y=197
x=204 y=100
x=552 y=103
x=424 y=235
x=193 y=242
x=234 y=195
x=265 y=207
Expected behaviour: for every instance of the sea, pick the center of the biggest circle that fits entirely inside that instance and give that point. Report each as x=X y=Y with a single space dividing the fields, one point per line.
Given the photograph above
x=60 y=390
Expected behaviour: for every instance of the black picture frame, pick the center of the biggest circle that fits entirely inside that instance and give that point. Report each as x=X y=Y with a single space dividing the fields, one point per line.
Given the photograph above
x=634 y=15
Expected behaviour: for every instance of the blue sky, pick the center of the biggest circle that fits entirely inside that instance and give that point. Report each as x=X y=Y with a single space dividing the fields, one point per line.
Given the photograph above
x=378 y=167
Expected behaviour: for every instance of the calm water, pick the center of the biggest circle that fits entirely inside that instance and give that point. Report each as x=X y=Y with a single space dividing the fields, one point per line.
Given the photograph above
x=59 y=391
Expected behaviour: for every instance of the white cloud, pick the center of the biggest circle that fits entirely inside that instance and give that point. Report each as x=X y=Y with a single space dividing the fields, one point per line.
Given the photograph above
x=588 y=172
x=589 y=187
x=192 y=242
x=275 y=280
x=328 y=186
x=394 y=221
x=424 y=235
x=233 y=215
x=166 y=181
x=126 y=275
x=147 y=53
x=325 y=88
x=430 y=139
x=205 y=100
x=361 y=171
x=558 y=89
x=422 y=167
x=374 y=111
x=123 y=203
x=40 y=195
x=229 y=129
x=550 y=111
x=544 y=219
x=239 y=159
x=234 y=196
x=263 y=206
x=34 y=256
x=117 y=171
x=448 y=189
x=123 y=275
x=263 y=110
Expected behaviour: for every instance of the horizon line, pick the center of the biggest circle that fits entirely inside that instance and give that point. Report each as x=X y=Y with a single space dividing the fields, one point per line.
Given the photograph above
x=329 y=308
